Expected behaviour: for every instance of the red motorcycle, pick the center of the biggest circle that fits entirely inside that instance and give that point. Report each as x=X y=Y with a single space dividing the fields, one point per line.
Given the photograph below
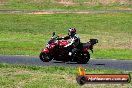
x=55 y=51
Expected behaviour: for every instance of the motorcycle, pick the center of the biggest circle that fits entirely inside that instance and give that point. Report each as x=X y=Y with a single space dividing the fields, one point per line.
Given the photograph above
x=55 y=51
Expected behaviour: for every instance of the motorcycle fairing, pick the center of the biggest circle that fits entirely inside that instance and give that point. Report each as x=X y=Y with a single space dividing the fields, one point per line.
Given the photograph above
x=45 y=50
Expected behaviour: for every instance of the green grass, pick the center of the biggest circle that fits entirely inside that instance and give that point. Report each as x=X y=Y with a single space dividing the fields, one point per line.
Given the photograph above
x=14 y=76
x=112 y=54
x=71 y=4
x=26 y=34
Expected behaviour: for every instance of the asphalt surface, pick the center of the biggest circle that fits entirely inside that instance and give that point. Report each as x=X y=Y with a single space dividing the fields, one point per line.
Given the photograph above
x=125 y=65
x=65 y=11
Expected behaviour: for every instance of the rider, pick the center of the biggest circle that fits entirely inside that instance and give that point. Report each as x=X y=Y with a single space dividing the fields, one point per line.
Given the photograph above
x=74 y=41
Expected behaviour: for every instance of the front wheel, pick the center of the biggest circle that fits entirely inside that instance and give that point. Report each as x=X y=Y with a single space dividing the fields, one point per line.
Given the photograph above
x=45 y=57
x=83 y=58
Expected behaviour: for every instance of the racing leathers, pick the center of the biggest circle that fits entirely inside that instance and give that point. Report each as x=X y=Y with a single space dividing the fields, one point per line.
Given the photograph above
x=74 y=42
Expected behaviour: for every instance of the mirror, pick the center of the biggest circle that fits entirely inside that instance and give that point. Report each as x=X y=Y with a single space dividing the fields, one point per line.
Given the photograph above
x=53 y=33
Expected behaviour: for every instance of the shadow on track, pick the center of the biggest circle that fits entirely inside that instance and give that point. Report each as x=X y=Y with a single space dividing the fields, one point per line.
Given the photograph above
x=99 y=64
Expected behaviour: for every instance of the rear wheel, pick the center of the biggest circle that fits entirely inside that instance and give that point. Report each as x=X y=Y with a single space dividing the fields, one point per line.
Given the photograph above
x=45 y=57
x=83 y=58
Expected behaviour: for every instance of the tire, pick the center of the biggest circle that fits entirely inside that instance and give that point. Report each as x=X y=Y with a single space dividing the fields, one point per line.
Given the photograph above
x=45 y=57
x=83 y=58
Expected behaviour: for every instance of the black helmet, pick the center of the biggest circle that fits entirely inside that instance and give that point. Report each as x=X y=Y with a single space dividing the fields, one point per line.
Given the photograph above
x=71 y=31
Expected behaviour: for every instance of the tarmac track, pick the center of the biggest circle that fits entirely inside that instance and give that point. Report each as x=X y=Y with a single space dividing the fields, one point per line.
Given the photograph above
x=125 y=65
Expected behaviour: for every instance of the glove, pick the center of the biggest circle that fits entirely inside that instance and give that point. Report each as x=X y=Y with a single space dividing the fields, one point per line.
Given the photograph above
x=65 y=46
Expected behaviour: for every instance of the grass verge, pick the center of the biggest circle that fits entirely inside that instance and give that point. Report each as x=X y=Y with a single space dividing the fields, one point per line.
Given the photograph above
x=14 y=76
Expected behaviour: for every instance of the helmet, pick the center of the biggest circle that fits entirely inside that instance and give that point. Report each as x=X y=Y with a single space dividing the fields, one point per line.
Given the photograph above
x=71 y=31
